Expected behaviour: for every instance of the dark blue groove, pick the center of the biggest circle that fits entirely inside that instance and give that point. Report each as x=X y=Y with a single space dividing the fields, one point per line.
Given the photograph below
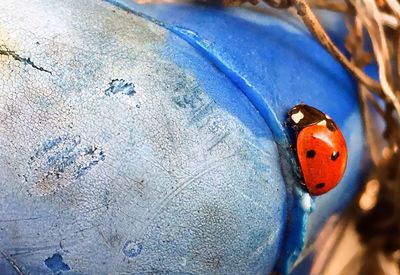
x=247 y=89
x=297 y=213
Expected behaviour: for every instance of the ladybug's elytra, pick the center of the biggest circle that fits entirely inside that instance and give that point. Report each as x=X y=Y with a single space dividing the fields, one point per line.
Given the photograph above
x=321 y=148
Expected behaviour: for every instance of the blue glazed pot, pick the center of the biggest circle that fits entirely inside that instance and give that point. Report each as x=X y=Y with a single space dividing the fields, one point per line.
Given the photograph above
x=151 y=139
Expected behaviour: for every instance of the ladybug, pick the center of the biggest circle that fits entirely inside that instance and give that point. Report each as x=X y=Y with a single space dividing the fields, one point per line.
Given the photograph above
x=320 y=146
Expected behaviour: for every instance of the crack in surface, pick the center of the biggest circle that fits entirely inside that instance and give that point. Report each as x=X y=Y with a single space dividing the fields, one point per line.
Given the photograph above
x=12 y=263
x=26 y=61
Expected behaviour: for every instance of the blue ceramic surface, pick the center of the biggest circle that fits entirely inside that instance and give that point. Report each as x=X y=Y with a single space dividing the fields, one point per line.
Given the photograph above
x=153 y=141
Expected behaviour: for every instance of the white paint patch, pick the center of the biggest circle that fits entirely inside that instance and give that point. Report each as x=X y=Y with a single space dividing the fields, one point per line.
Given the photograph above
x=296 y=117
x=328 y=117
x=322 y=123
x=307 y=203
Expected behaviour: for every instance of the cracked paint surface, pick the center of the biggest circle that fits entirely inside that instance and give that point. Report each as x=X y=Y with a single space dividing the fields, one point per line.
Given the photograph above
x=169 y=178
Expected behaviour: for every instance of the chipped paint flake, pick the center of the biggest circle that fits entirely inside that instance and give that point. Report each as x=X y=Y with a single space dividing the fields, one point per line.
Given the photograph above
x=60 y=160
x=120 y=86
x=132 y=249
x=56 y=264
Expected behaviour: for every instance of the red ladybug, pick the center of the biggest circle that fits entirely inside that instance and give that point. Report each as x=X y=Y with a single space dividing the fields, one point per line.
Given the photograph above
x=321 y=148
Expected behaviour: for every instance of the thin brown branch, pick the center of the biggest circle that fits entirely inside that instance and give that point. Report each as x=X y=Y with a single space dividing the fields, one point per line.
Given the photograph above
x=372 y=20
x=375 y=104
x=396 y=53
x=338 y=239
x=313 y=25
x=355 y=45
x=395 y=6
x=372 y=137
x=330 y=5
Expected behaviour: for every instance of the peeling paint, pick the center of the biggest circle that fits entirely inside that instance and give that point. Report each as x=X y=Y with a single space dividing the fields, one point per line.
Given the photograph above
x=132 y=249
x=56 y=264
x=96 y=158
x=120 y=86
x=60 y=160
x=193 y=100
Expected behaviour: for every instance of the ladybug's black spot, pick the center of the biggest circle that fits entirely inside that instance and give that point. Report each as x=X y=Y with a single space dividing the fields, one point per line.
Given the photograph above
x=334 y=155
x=320 y=185
x=310 y=154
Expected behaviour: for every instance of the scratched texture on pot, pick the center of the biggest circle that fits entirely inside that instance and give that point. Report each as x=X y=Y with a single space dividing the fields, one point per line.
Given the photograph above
x=114 y=159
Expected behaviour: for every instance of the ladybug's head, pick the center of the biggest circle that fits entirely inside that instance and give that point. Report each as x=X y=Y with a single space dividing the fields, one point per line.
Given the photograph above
x=303 y=115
